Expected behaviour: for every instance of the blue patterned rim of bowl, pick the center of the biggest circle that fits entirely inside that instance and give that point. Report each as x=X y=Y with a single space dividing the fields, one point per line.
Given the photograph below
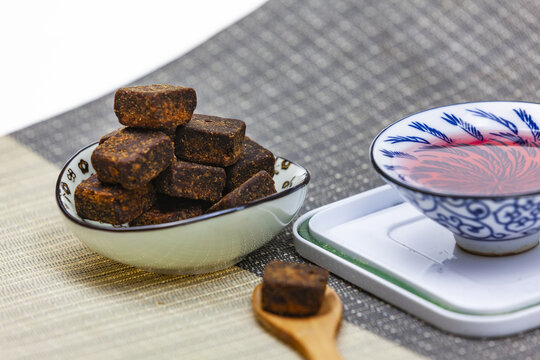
x=201 y=244
x=469 y=216
x=65 y=194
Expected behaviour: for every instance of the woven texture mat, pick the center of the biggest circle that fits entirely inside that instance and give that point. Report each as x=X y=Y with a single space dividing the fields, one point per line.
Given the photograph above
x=60 y=300
x=315 y=81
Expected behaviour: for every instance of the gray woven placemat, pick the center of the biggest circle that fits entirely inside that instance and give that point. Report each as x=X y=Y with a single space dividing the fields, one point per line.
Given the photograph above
x=316 y=80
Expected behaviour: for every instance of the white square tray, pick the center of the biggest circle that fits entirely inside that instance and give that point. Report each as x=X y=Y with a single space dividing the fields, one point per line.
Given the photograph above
x=384 y=245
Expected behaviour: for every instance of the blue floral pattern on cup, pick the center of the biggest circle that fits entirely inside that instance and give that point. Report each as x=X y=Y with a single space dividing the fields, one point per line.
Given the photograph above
x=480 y=219
x=487 y=218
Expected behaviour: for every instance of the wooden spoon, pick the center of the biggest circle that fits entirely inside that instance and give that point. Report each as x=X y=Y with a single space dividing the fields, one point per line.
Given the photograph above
x=314 y=336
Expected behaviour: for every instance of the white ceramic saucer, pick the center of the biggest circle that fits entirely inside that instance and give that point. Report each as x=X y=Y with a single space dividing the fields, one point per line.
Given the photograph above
x=390 y=249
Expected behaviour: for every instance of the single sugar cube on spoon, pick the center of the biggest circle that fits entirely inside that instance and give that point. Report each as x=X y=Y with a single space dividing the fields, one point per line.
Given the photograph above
x=293 y=289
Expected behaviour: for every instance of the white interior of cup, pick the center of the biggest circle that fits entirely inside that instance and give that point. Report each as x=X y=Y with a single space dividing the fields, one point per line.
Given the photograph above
x=515 y=121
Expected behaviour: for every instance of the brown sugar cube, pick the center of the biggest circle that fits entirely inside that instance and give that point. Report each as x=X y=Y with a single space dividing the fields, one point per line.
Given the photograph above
x=171 y=133
x=155 y=106
x=253 y=159
x=111 y=203
x=192 y=181
x=256 y=187
x=110 y=134
x=132 y=157
x=169 y=209
x=210 y=140
x=293 y=289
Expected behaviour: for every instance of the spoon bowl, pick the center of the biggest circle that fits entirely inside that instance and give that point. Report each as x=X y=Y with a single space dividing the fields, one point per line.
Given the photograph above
x=313 y=336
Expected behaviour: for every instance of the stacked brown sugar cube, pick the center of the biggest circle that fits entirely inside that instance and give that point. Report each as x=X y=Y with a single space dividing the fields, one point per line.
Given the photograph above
x=168 y=164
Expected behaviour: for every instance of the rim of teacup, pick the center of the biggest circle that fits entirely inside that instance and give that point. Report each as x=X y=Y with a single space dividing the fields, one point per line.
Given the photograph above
x=203 y=217
x=403 y=184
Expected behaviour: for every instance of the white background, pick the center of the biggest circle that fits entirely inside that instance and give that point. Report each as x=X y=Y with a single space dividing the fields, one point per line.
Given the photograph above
x=56 y=55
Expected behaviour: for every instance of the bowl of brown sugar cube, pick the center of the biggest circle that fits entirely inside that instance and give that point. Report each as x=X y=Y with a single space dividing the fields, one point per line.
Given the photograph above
x=176 y=192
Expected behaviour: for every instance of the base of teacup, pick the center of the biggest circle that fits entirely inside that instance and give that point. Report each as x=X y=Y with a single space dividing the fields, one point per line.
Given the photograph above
x=498 y=247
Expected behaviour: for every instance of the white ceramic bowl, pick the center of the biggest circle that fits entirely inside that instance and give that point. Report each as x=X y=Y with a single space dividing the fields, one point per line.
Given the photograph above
x=198 y=245
x=483 y=223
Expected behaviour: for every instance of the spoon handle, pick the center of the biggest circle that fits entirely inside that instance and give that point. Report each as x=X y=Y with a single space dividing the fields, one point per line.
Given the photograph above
x=319 y=348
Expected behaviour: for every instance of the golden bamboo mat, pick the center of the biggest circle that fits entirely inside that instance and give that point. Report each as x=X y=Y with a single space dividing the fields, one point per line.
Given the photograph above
x=60 y=300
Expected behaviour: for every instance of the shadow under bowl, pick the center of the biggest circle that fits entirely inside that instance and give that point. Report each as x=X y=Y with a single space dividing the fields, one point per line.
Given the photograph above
x=202 y=244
